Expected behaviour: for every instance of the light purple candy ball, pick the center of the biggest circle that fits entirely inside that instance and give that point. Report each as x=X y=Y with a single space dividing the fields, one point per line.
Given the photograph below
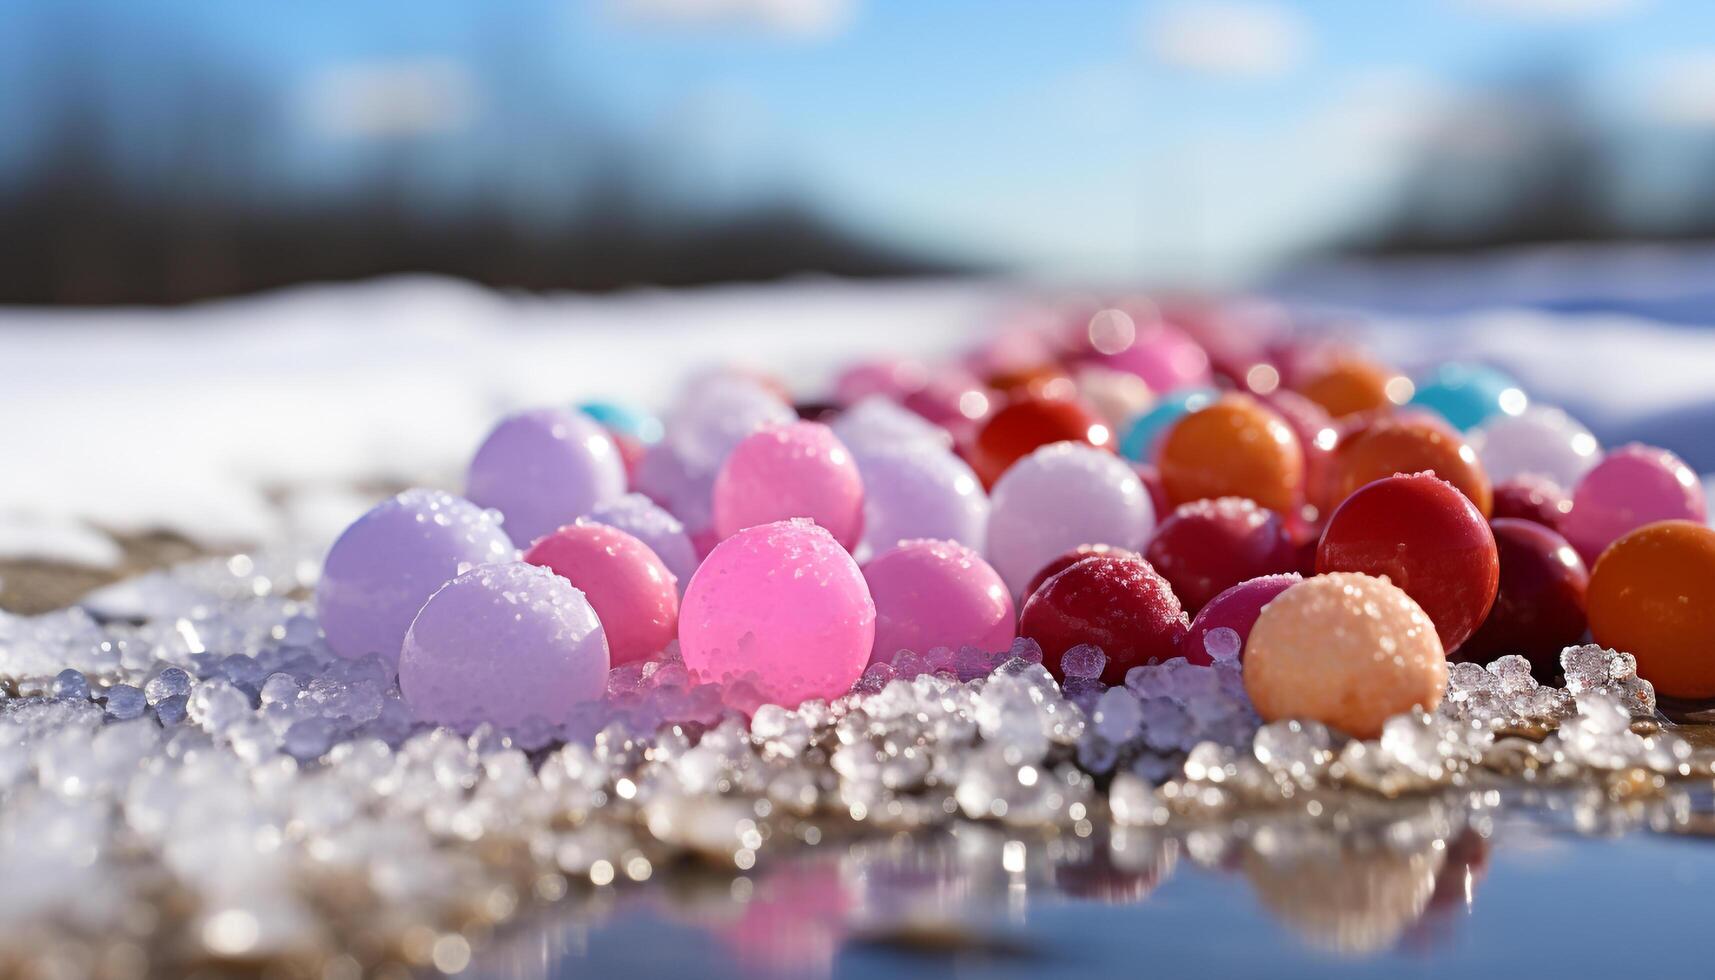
x=543 y=468
x=1541 y=441
x=1057 y=498
x=919 y=491
x=639 y=517
x=667 y=478
x=390 y=560
x=508 y=644
x=878 y=423
x=715 y=413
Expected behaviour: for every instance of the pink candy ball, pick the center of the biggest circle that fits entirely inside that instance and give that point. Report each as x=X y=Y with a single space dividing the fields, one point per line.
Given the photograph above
x=634 y=595
x=1221 y=628
x=1632 y=486
x=782 y=605
x=787 y=471
x=931 y=594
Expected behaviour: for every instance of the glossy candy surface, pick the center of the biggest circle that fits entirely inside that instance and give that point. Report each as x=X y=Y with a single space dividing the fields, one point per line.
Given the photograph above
x=1534 y=499
x=389 y=561
x=787 y=471
x=544 y=468
x=932 y=594
x=1208 y=546
x=919 y=491
x=1540 y=442
x=1539 y=608
x=1352 y=385
x=1632 y=486
x=1028 y=423
x=1233 y=448
x=1403 y=445
x=782 y=605
x=1427 y=539
x=641 y=518
x=1467 y=395
x=1060 y=497
x=1115 y=602
x=1347 y=650
x=1652 y=595
x=633 y=593
x=510 y=644
x=1144 y=434
x=1221 y=628
x=1069 y=558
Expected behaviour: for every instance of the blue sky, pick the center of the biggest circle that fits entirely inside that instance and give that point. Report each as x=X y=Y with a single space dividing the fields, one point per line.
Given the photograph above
x=1084 y=137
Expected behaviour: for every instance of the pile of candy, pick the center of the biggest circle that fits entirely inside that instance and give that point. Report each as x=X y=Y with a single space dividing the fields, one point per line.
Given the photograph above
x=1153 y=568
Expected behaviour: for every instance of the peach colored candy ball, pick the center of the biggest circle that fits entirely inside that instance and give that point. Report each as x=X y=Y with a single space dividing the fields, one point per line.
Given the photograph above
x=787 y=471
x=1345 y=649
x=782 y=605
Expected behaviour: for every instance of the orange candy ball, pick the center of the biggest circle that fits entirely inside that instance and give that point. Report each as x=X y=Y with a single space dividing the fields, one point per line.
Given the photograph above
x=1351 y=385
x=1233 y=448
x=1029 y=423
x=1345 y=649
x=1406 y=445
x=1652 y=595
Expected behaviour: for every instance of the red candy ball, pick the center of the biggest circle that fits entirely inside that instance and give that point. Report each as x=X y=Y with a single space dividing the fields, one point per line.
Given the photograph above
x=1029 y=423
x=1532 y=498
x=1070 y=558
x=1540 y=607
x=1116 y=602
x=1208 y=546
x=1428 y=539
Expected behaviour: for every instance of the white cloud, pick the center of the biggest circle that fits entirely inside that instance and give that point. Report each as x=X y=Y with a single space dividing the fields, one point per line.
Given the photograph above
x=390 y=99
x=1554 y=9
x=1229 y=38
x=793 y=18
x=1683 y=90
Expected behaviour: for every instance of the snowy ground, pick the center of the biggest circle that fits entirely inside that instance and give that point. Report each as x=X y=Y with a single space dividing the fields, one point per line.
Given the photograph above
x=195 y=419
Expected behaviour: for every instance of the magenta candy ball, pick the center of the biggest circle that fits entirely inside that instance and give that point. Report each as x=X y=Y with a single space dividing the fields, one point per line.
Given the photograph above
x=544 y=468
x=389 y=561
x=665 y=535
x=787 y=471
x=1221 y=628
x=937 y=594
x=633 y=593
x=1164 y=356
x=1632 y=486
x=783 y=605
x=1057 y=498
x=509 y=644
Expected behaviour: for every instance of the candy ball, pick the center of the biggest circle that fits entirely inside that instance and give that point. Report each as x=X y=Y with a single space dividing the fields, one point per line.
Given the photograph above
x=625 y=420
x=1144 y=434
x=1220 y=628
x=633 y=593
x=890 y=379
x=1060 y=497
x=1632 y=486
x=1069 y=558
x=1539 y=442
x=1344 y=649
x=1352 y=385
x=637 y=516
x=1539 y=609
x=544 y=468
x=669 y=480
x=1390 y=446
x=1117 y=396
x=1532 y=498
x=715 y=413
x=1233 y=448
x=1208 y=546
x=507 y=644
x=787 y=471
x=1467 y=395
x=782 y=605
x=1428 y=539
x=1163 y=355
x=876 y=423
x=1115 y=602
x=920 y=492
x=1026 y=424
x=390 y=560
x=1652 y=594
x=932 y=594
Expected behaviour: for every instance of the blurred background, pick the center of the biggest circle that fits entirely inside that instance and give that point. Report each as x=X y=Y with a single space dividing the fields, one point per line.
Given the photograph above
x=179 y=149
